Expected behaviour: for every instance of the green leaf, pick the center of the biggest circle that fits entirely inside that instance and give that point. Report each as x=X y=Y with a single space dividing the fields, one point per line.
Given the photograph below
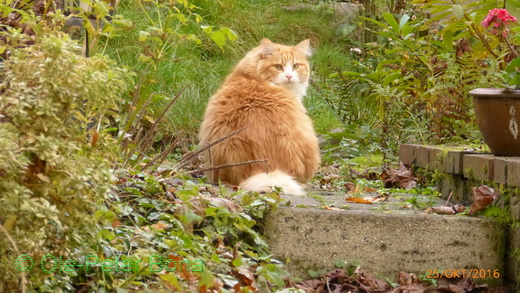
x=206 y=279
x=382 y=25
x=391 y=77
x=171 y=279
x=391 y=21
x=191 y=216
x=404 y=20
x=458 y=11
x=125 y=23
x=513 y=66
x=237 y=262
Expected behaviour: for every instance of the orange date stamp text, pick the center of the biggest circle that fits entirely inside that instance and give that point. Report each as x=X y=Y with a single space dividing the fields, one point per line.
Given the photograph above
x=463 y=273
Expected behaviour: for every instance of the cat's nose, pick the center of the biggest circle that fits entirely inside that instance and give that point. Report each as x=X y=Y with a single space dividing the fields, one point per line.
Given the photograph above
x=289 y=77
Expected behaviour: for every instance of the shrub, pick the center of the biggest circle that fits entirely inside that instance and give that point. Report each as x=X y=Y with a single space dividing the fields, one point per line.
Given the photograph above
x=54 y=169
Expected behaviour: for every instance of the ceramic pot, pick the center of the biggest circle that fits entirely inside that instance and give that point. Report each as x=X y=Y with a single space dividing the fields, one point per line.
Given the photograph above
x=498 y=116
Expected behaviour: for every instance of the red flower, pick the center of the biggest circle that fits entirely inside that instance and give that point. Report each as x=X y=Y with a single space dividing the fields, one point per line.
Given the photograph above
x=500 y=18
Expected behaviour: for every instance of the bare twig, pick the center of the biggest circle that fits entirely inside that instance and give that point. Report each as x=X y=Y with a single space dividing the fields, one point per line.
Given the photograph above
x=148 y=139
x=448 y=200
x=224 y=166
x=515 y=52
x=15 y=247
x=186 y=159
x=142 y=113
x=162 y=156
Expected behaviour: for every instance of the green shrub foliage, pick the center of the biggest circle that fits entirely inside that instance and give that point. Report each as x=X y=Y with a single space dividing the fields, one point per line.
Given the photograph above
x=54 y=169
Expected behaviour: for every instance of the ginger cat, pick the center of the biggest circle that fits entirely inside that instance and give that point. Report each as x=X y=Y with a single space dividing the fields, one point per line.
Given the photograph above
x=263 y=93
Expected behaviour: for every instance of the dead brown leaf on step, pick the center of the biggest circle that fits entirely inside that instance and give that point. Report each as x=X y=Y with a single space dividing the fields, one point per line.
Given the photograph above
x=329 y=179
x=403 y=177
x=369 y=199
x=330 y=208
x=358 y=200
x=459 y=208
x=482 y=197
x=443 y=210
x=446 y=209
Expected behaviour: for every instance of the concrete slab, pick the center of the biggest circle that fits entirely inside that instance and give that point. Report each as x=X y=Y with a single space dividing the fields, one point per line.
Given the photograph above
x=385 y=243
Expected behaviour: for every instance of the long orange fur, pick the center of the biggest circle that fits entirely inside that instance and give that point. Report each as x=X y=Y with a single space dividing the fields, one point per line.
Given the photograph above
x=256 y=95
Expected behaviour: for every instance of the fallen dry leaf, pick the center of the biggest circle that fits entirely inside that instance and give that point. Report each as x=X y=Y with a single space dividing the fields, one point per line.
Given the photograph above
x=329 y=178
x=369 y=175
x=330 y=208
x=245 y=276
x=374 y=284
x=482 y=197
x=369 y=199
x=370 y=189
x=200 y=204
x=311 y=286
x=226 y=203
x=443 y=210
x=402 y=177
x=159 y=226
x=116 y=223
x=459 y=208
x=350 y=186
x=379 y=198
x=358 y=200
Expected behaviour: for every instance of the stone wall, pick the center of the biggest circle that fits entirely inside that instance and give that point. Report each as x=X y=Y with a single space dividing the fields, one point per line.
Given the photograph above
x=456 y=170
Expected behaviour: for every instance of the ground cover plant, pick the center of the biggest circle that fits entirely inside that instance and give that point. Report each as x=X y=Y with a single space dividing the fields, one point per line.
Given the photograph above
x=91 y=185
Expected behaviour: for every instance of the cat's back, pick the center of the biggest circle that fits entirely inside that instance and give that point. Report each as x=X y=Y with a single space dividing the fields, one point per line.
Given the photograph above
x=240 y=98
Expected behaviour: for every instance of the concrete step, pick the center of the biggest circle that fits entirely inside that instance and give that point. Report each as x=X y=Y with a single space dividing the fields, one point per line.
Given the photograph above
x=386 y=242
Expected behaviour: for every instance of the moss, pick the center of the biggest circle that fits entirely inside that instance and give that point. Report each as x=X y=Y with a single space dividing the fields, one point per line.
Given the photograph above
x=468 y=173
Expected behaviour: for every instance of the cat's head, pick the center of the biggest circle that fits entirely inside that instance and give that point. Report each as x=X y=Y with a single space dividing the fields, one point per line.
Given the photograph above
x=280 y=65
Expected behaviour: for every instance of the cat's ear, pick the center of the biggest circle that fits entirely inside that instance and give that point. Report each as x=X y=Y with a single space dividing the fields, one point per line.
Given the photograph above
x=266 y=48
x=305 y=46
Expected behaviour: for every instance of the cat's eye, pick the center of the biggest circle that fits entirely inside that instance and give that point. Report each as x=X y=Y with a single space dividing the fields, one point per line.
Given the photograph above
x=278 y=67
x=295 y=66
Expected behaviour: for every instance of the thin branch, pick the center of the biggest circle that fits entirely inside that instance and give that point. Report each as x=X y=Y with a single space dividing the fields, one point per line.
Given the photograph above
x=186 y=159
x=515 y=52
x=162 y=156
x=224 y=166
x=148 y=139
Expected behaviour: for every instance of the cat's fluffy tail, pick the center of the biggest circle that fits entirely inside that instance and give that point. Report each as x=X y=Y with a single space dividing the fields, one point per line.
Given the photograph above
x=264 y=182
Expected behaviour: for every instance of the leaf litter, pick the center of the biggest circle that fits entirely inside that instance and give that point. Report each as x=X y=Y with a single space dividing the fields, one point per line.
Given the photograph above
x=403 y=177
x=360 y=281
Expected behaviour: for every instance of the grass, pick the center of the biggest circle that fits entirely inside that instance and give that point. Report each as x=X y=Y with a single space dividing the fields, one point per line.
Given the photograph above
x=200 y=69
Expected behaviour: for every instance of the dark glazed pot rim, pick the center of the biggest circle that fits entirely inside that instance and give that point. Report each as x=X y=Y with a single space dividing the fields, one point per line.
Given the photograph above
x=494 y=92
